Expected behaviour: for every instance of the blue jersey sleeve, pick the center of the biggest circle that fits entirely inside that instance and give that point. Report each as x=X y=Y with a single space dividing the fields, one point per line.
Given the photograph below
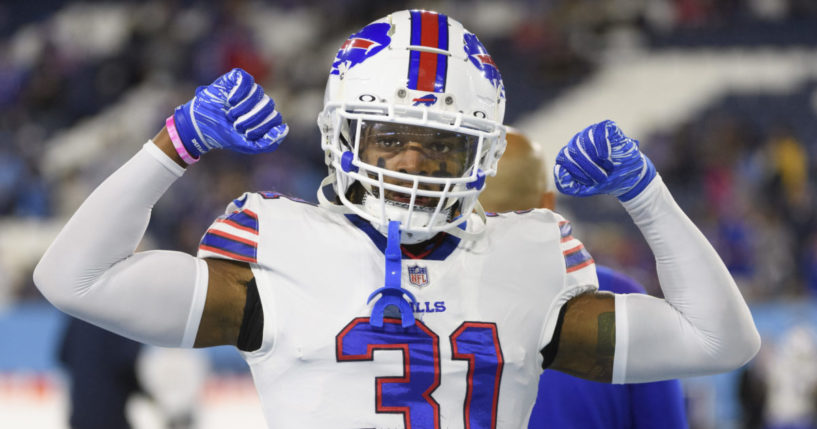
x=658 y=405
x=616 y=282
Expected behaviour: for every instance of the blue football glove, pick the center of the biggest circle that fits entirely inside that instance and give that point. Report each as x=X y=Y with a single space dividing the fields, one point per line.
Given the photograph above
x=602 y=160
x=234 y=113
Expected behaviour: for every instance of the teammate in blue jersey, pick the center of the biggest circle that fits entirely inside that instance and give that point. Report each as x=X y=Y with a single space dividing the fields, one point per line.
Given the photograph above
x=331 y=305
x=101 y=367
x=564 y=401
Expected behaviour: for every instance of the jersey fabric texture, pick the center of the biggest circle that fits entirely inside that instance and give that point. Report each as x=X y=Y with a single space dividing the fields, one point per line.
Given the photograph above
x=570 y=402
x=484 y=310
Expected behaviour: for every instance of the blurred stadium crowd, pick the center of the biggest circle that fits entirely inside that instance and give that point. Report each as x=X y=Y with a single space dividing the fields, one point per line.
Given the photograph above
x=83 y=84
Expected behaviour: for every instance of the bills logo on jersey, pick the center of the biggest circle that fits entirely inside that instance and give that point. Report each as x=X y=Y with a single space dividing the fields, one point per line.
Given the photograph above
x=361 y=46
x=426 y=100
x=480 y=58
x=418 y=276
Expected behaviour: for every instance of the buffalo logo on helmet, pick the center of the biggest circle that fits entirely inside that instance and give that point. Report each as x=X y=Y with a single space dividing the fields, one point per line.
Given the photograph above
x=360 y=46
x=480 y=58
x=426 y=100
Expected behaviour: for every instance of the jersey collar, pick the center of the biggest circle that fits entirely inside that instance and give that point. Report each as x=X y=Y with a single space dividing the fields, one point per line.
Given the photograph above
x=438 y=249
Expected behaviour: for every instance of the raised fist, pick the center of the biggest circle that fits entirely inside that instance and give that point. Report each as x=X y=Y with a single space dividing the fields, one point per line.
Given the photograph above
x=233 y=113
x=602 y=160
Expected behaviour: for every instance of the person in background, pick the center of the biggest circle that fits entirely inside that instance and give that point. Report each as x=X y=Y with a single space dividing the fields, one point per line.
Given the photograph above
x=107 y=371
x=791 y=381
x=565 y=401
x=101 y=366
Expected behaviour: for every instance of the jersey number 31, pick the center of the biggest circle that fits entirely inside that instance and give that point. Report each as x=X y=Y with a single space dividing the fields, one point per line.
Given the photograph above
x=410 y=394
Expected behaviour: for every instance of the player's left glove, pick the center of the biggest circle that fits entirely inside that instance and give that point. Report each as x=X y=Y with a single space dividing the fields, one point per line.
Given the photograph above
x=233 y=112
x=602 y=160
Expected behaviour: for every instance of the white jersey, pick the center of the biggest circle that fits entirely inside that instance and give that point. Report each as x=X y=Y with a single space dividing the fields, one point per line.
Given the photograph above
x=484 y=311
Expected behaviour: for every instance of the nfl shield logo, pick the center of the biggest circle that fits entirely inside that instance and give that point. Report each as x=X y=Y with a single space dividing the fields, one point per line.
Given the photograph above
x=418 y=276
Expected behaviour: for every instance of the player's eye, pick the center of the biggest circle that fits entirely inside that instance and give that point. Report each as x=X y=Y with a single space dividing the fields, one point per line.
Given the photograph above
x=440 y=147
x=389 y=143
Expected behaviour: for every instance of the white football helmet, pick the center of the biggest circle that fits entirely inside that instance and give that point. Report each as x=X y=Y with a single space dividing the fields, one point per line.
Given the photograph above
x=412 y=113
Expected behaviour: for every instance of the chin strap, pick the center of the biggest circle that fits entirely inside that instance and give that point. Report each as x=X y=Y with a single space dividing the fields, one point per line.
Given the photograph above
x=391 y=294
x=324 y=202
x=477 y=228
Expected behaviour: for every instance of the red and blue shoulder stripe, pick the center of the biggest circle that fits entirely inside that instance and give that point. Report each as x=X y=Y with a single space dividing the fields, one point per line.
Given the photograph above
x=234 y=236
x=576 y=256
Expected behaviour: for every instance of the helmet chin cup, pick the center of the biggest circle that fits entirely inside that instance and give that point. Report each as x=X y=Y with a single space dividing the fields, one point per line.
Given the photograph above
x=390 y=211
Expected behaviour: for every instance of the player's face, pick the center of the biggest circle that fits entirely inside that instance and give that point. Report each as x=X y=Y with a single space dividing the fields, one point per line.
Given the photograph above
x=416 y=150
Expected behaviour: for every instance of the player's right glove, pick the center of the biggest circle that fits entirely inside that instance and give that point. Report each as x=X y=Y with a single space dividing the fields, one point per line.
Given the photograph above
x=602 y=160
x=233 y=112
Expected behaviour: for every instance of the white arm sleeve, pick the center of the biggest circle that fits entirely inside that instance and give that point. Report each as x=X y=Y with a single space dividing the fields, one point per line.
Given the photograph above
x=91 y=272
x=703 y=326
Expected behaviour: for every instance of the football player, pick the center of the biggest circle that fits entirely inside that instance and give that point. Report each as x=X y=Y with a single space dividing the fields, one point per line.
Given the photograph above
x=395 y=302
x=565 y=401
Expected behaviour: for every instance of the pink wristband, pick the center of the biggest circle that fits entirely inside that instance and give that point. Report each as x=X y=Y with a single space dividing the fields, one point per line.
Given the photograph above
x=170 y=124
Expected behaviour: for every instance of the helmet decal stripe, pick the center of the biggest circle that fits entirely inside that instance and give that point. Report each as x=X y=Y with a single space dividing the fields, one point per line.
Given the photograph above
x=427 y=70
x=428 y=60
x=442 y=60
